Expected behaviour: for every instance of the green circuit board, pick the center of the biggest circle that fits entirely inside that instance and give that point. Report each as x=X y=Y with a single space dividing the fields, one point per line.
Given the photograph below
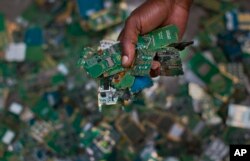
x=170 y=61
x=160 y=38
x=209 y=74
x=106 y=18
x=99 y=62
x=143 y=61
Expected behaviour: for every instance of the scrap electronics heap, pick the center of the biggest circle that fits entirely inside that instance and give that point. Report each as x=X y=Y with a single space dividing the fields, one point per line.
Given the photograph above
x=49 y=108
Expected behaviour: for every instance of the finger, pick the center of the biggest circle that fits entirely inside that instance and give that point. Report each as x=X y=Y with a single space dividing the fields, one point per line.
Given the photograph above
x=145 y=18
x=155 y=69
x=128 y=39
x=155 y=73
x=155 y=65
x=152 y=14
x=120 y=35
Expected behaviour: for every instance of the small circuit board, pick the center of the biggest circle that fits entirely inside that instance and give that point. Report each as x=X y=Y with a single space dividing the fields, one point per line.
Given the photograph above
x=219 y=84
x=106 y=18
x=103 y=16
x=120 y=85
x=102 y=62
x=170 y=61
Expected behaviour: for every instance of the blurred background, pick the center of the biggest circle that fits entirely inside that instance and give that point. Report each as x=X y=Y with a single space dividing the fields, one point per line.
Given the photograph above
x=48 y=106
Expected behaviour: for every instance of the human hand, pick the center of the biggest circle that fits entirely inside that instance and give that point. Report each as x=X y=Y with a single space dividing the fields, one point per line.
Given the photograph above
x=151 y=15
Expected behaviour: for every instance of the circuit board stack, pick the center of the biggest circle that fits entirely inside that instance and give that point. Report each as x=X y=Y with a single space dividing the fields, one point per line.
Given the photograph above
x=119 y=84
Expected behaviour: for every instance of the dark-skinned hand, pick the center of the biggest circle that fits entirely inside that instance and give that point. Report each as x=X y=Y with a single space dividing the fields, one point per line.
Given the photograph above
x=149 y=16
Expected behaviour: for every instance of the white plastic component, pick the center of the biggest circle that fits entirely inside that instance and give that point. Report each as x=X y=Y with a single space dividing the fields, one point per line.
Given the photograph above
x=176 y=131
x=238 y=116
x=8 y=137
x=15 y=52
x=63 y=69
x=16 y=108
x=105 y=44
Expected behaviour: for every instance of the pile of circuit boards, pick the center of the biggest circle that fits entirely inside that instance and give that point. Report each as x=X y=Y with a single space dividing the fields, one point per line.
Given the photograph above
x=49 y=108
x=119 y=84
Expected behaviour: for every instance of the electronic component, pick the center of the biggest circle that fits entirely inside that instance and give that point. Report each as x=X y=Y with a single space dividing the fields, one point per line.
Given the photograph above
x=44 y=111
x=140 y=83
x=142 y=64
x=34 y=36
x=244 y=20
x=230 y=46
x=216 y=150
x=238 y=116
x=15 y=52
x=100 y=140
x=61 y=142
x=107 y=95
x=6 y=135
x=131 y=130
x=40 y=129
x=123 y=80
x=34 y=53
x=106 y=18
x=150 y=153
x=219 y=84
x=86 y=8
x=159 y=38
x=99 y=15
x=170 y=61
x=236 y=20
x=215 y=25
x=204 y=104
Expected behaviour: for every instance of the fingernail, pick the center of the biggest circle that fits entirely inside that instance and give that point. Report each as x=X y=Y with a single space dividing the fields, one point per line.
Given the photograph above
x=124 y=60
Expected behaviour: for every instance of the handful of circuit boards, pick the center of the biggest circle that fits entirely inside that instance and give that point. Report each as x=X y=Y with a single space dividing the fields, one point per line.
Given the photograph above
x=119 y=84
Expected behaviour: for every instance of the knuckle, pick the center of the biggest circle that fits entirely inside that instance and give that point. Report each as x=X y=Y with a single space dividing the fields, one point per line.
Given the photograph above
x=130 y=21
x=133 y=20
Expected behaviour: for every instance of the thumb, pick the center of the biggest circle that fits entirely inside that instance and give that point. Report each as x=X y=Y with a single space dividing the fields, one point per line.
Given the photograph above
x=128 y=39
